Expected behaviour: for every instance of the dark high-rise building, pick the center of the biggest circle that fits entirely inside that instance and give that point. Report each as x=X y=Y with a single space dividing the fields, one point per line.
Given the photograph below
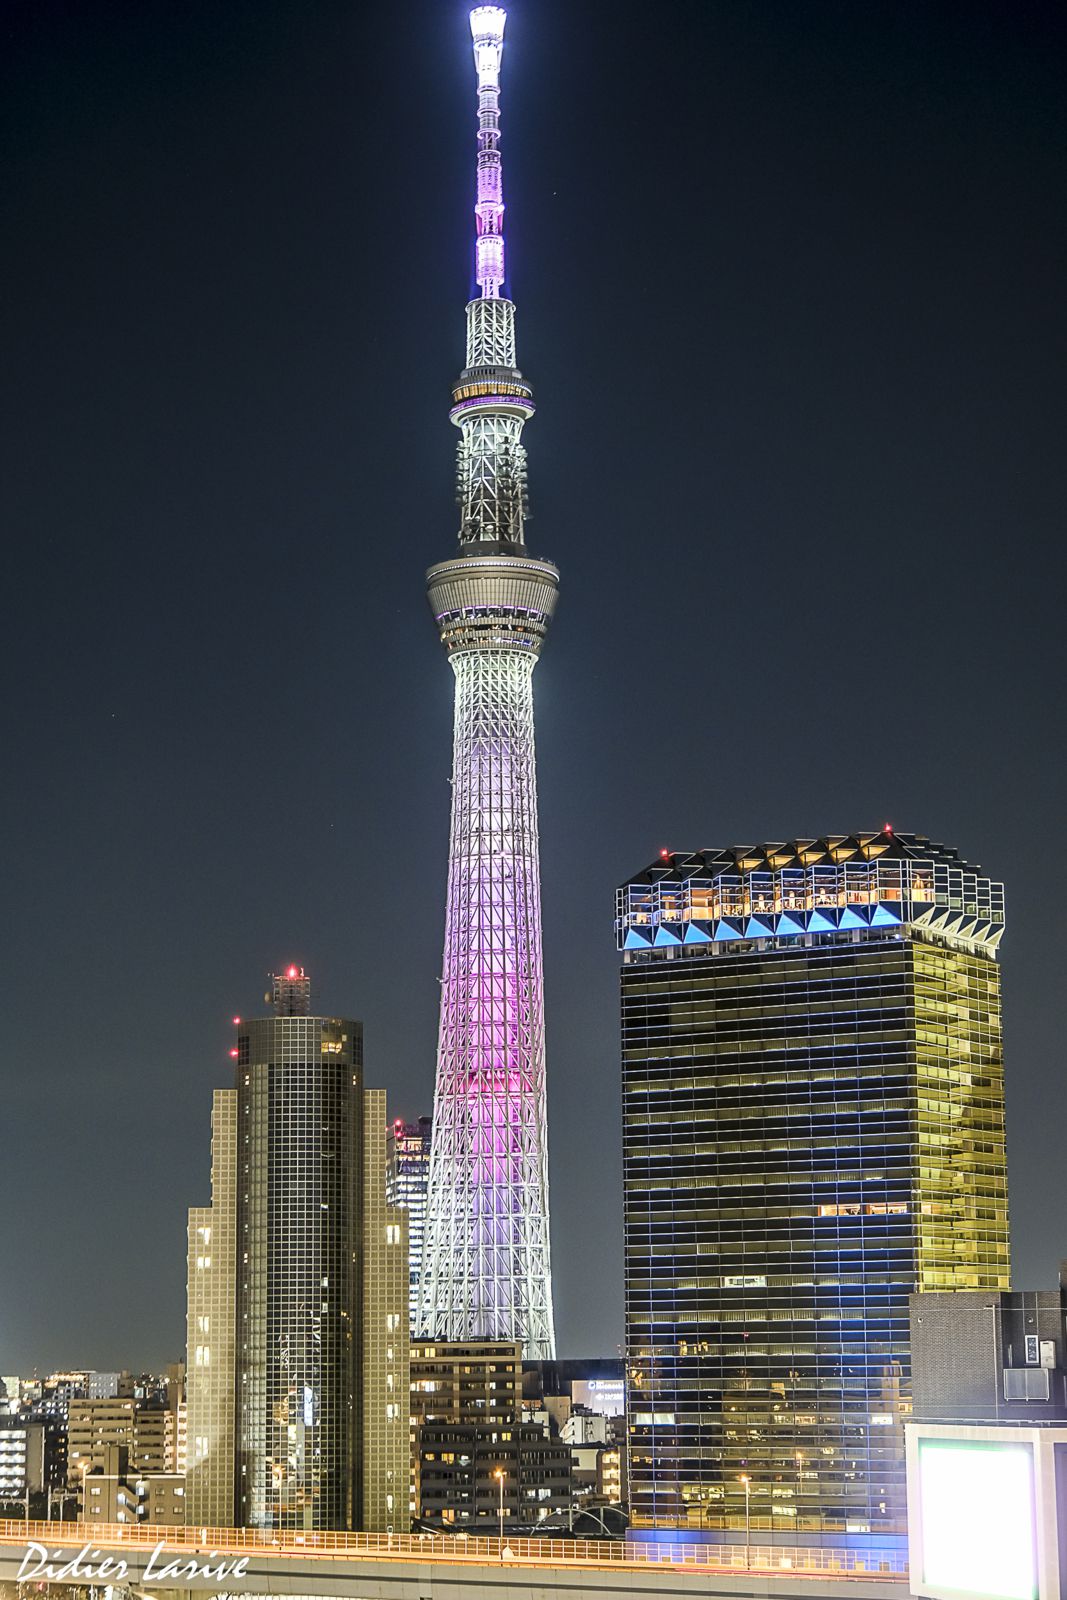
x=813 y=1130
x=459 y=1484
x=298 y=1289
x=407 y=1180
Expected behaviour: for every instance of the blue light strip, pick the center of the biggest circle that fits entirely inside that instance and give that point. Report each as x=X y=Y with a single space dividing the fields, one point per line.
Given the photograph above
x=780 y=925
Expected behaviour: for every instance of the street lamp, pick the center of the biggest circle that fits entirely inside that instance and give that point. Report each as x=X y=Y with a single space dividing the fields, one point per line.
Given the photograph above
x=500 y=1475
x=747 y=1481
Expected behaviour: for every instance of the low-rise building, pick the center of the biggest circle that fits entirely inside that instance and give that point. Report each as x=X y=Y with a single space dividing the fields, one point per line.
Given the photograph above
x=145 y=1432
x=469 y=1382
x=611 y=1474
x=161 y=1498
x=113 y=1492
x=583 y=1404
x=470 y=1385
x=107 y=1494
x=51 y=1396
x=468 y=1427
x=585 y=1428
x=22 y=1457
x=104 y=1385
x=466 y=1471
x=990 y=1356
x=595 y=1382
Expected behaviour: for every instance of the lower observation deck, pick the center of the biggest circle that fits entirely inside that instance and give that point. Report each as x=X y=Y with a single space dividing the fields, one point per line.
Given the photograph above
x=493 y=601
x=368 y=1566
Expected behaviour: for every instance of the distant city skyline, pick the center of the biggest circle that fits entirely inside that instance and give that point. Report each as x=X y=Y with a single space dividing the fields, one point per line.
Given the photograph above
x=799 y=448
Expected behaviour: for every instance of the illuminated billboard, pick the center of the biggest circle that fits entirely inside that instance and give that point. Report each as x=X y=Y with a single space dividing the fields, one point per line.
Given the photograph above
x=978 y=1518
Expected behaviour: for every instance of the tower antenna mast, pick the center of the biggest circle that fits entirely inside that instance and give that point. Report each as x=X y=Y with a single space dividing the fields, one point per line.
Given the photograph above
x=487 y=28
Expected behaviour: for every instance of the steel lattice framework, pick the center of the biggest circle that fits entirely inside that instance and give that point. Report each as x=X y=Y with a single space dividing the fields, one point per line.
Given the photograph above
x=486 y=1268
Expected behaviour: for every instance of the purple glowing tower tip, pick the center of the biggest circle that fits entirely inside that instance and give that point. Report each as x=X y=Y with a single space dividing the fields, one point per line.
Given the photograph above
x=487 y=29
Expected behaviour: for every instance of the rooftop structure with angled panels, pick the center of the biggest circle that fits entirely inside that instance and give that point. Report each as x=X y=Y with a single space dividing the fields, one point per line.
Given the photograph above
x=813 y=1130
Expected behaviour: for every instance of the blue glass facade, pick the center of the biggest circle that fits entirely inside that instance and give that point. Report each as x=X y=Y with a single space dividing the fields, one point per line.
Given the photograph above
x=813 y=1129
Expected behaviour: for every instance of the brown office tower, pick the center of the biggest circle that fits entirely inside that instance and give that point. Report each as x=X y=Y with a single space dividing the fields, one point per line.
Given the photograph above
x=298 y=1319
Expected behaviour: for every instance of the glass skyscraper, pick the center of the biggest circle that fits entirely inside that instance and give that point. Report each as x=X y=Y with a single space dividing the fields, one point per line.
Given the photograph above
x=298 y=1288
x=813 y=1130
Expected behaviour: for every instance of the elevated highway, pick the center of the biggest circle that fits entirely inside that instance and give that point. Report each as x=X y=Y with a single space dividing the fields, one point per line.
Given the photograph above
x=39 y=1558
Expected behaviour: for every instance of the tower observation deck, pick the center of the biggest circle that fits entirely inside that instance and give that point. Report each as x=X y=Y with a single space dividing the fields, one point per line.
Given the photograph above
x=486 y=1270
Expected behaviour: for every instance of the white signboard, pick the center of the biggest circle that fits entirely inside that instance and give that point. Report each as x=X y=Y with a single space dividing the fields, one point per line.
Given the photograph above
x=978 y=1525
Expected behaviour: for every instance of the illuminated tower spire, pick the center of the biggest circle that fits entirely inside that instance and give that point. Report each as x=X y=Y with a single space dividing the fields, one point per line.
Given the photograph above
x=487 y=27
x=486 y=1271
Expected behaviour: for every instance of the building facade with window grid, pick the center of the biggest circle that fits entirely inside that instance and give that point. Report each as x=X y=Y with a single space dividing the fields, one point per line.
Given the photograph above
x=458 y=1468
x=813 y=1130
x=298 y=1342
x=22 y=1457
x=408 y=1179
x=211 y=1329
x=469 y=1384
x=139 y=1427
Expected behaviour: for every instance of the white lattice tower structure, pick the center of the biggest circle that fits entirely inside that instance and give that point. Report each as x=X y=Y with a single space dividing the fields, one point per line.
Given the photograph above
x=486 y=1269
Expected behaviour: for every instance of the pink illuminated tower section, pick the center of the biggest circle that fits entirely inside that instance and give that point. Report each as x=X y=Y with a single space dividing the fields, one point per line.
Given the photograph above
x=486 y=1271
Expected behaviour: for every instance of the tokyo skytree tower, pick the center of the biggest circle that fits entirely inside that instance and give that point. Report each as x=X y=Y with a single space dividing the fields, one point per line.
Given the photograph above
x=486 y=1272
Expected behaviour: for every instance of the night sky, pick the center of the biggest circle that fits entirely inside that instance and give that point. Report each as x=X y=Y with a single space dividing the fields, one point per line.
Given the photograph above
x=789 y=283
